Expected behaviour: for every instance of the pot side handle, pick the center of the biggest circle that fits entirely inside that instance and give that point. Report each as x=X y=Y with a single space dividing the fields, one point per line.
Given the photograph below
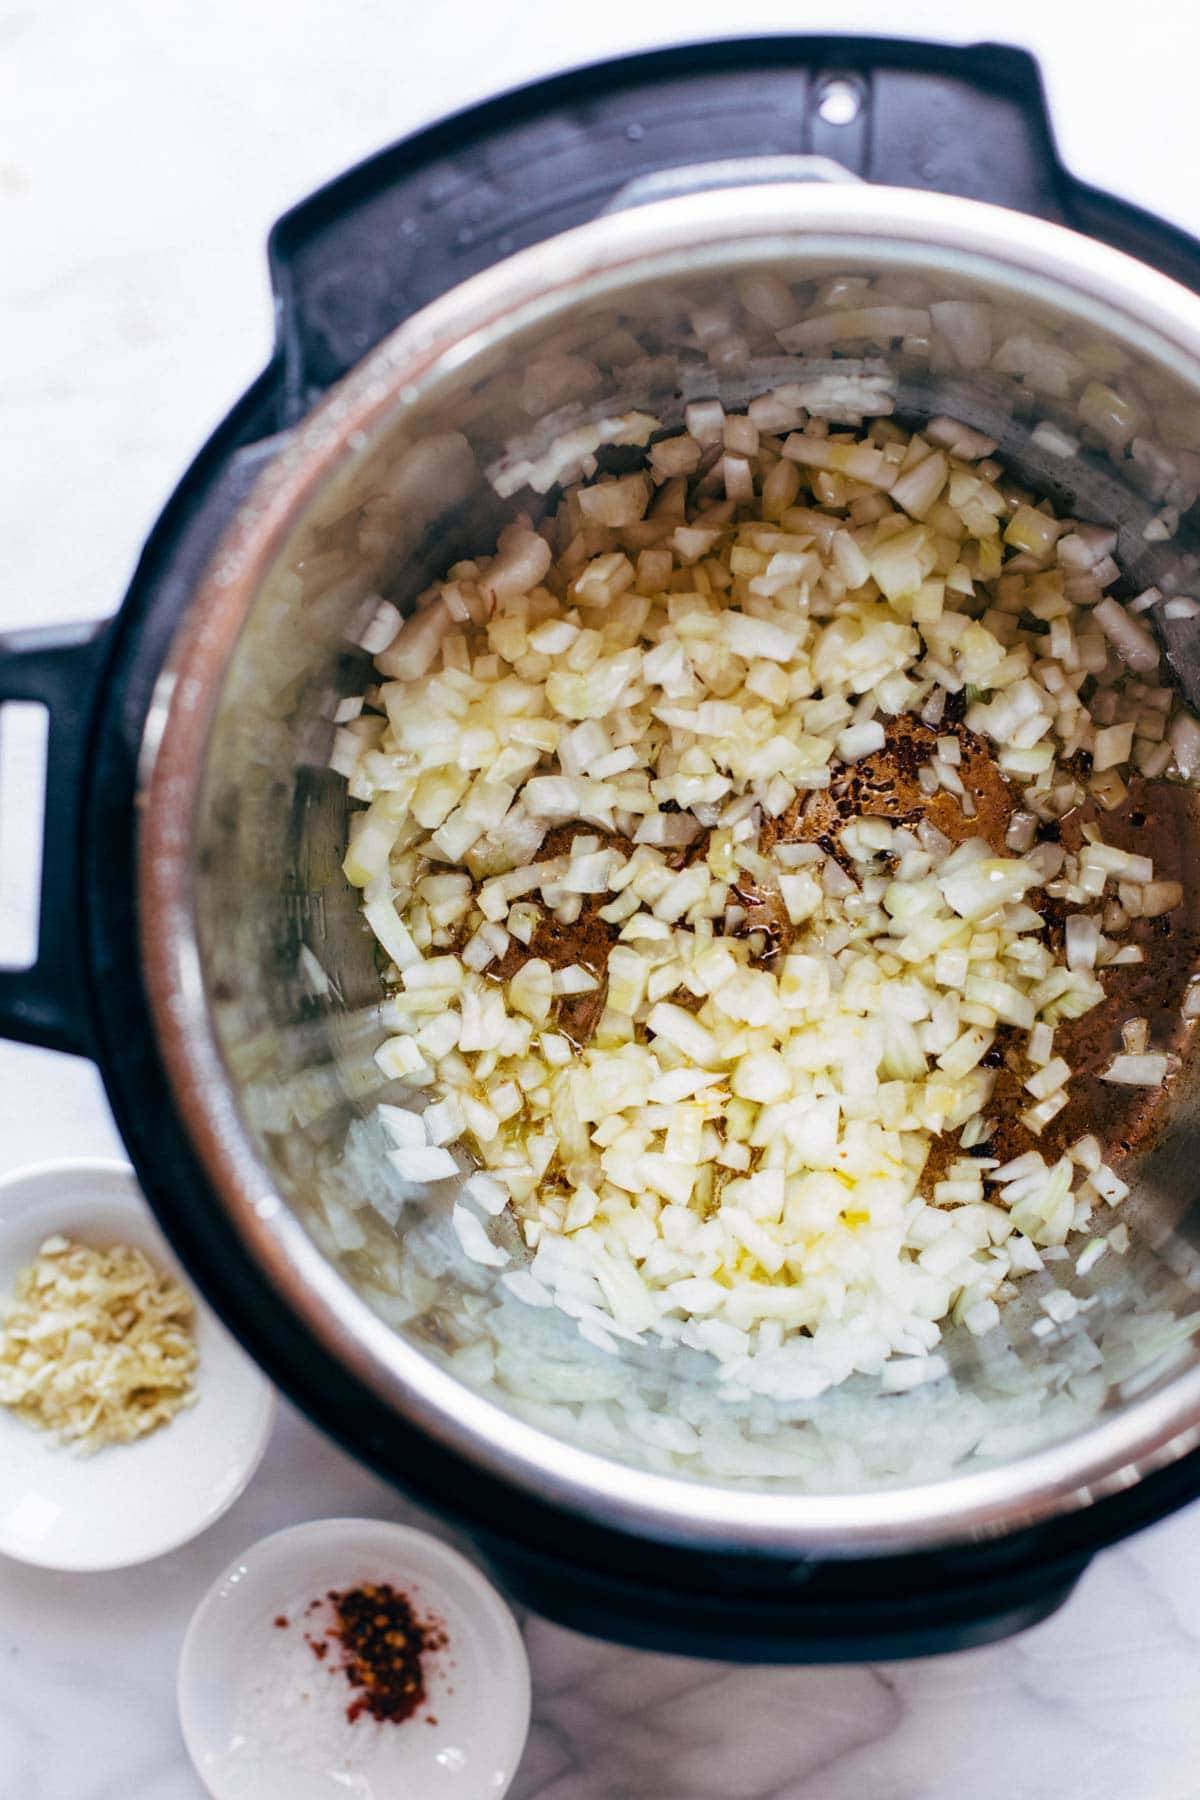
x=56 y=667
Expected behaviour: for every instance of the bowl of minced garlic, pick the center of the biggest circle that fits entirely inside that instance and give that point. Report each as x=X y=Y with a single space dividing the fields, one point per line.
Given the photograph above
x=97 y=1346
x=129 y=1418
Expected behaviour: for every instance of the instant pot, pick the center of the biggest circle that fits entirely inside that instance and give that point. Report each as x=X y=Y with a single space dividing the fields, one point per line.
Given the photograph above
x=461 y=322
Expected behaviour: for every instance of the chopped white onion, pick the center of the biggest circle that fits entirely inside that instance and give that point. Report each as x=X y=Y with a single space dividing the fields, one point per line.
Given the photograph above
x=1128 y=636
x=1082 y=941
x=470 y=1232
x=1185 y=743
x=1137 y=1071
x=731 y=1160
x=858 y=741
x=415 y=1162
x=413 y=651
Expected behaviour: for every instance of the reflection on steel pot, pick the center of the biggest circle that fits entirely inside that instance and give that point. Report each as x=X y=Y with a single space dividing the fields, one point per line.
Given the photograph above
x=234 y=994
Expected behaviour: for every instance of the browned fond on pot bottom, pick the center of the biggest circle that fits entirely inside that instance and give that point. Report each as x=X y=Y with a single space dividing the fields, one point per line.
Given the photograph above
x=887 y=785
x=1158 y=819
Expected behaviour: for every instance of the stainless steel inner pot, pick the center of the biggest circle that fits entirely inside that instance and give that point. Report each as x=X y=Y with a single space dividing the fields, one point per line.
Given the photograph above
x=266 y=986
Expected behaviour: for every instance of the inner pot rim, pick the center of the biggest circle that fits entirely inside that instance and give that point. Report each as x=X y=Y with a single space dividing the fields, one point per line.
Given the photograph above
x=726 y=227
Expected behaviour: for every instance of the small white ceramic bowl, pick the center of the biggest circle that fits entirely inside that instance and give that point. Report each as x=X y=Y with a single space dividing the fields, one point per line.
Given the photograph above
x=264 y=1719
x=129 y=1502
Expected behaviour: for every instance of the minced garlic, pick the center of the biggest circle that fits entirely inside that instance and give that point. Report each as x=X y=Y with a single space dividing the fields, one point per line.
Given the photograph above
x=96 y=1346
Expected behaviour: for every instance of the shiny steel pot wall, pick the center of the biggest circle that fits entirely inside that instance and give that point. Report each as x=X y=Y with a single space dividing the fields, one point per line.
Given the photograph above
x=264 y=981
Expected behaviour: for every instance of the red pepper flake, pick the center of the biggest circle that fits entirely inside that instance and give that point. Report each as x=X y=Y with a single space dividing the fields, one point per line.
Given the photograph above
x=383 y=1644
x=281 y=1623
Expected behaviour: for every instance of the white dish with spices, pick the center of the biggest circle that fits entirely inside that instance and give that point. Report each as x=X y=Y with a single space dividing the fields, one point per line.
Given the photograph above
x=79 y=1250
x=353 y=1656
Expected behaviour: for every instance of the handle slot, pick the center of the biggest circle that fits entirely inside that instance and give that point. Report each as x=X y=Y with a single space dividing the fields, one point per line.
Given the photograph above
x=54 y=671
x=24 y=746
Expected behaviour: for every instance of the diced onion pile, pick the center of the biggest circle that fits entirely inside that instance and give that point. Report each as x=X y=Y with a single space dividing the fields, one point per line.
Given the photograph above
x=732 y=1160
x=96 y=1346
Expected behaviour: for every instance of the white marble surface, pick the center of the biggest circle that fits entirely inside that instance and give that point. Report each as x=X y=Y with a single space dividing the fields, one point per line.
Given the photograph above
x=145 y=147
